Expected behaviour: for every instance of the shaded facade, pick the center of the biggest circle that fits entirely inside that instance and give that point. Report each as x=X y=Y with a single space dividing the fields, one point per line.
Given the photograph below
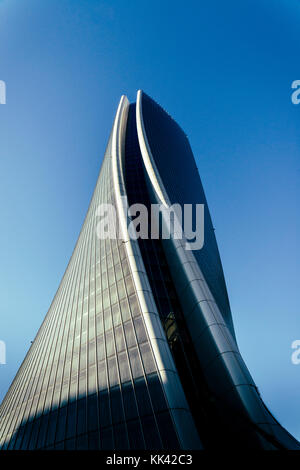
x=138 y=350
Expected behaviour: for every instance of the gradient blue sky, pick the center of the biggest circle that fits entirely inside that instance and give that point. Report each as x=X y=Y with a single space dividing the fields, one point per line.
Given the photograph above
x=223 y=70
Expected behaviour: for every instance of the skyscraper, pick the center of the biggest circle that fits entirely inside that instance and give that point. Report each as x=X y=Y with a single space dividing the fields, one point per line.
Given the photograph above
x=138 y=349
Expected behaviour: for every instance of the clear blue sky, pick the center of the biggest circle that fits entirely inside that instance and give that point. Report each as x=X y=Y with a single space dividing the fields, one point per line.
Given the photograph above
x=223 y=70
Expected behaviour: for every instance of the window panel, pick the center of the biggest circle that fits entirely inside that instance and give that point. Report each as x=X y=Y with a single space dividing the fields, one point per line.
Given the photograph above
x=121 y=440
x=81 y=416
x=129 y=334
x=107 y=319
x=113 y=294
x=116 y=315
x=151 y=433
x=125 y=312
x=135 y=362
x=104 y=409
x=102 y=375
x=124 y=367
x=92 y=379
x=125 y=267
x=135 y=435
x=118 y=272
x=112 y=371
x=116 y=405
x=121 y=289
x=107 y=442
x=92 y=412
x=135 y=310
x=100 y=347
x=140 y=329
x=106 y=300
x=119 y=337
x=129 y=285
x=147 y=358
x=71 y=420
x=156 y=392
x=94 y=440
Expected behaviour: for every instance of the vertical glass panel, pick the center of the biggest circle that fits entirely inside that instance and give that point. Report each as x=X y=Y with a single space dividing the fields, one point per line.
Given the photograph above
x=83 y=357
x=92 y=412
x=129 y=285
x=102 y=379
x=113 y=294
x=116 y=315
x=129 y=401
x=122 y=251
x=34 y=434
x=42 y=431
x=140 y=330
x=107 y=441
x=110 y=350
x=92 y=379
x=115 y=253
x=98 y=303
x=147 y=358
x=129 y=334
x=121 y=289
x=73 y=385
x=99 y=323
x=82 y=383
x=27 y=433
x=111 y=276
x=119 y=337
x=121 y=440
x=61 y=424
x=135 y=310
x=100 y=347
x=142 y=397
x=94 y=440
x=109 y=261
x=124 y=367
x=135 y=435
x=107 y=319
x=19 y=438
x=118 y=272
x=82 y=442
x=92 y=352
x=81 y=416
x=125 y=267
x=135 y=362
x=106 y=300
x=112 y=371
x=151 y=433
x=71 y=420
x=125 y=311
x=104 y=409
x=156 y=392
x=91 y=326
x=116 y=405
x=104 y=281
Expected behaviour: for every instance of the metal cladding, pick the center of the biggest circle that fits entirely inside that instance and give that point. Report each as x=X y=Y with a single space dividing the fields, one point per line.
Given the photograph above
x=138 y=349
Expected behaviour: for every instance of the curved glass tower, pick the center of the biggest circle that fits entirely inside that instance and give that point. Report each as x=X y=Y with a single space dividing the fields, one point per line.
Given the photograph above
x=138 y=349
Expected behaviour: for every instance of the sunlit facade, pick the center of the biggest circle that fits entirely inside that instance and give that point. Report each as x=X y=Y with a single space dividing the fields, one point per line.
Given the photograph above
x=138 y=349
